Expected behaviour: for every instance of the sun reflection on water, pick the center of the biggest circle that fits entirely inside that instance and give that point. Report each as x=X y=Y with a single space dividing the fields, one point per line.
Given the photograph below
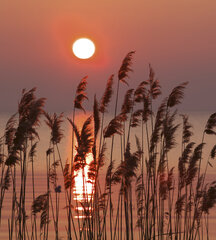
x=83 y=189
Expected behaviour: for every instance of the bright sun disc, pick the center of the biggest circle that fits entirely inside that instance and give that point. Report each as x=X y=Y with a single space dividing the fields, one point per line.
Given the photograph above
x=83 y=48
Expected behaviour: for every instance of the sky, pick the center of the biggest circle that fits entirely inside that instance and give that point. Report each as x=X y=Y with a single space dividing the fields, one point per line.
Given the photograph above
x=177 y=37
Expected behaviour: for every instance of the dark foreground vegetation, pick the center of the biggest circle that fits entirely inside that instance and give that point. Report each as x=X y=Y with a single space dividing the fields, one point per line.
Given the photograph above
x=152 y=200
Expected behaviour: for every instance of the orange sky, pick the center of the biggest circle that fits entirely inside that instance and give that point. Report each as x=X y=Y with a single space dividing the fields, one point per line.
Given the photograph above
x=177 y=37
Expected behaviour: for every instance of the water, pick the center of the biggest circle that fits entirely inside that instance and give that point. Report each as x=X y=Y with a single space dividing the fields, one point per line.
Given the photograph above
x=82 y=190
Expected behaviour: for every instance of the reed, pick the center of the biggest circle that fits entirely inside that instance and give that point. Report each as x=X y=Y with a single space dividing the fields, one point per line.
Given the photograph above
x=139 y=195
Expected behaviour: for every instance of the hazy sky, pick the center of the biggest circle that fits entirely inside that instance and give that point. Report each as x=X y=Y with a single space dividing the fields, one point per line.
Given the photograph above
x=177 y=37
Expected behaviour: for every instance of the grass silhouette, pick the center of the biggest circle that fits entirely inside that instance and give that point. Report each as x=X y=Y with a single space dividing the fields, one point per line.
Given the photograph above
x=154 y=200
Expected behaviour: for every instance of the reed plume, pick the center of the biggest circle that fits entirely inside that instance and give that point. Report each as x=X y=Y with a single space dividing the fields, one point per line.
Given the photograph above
x=135 y=121
x=187 y=133
x=169 y=129
x=209 y=198
x=163 y=190
x=127 y=169
x=40 y=205
x=10 y=131
x=141 y=94
x=114 y=127
x=54 y=123
x=86 y=136
x=84 y=142
x=81 y=94
x=128 y=102
x=183 y=160
x=213 y=152
x=154 y=84
x=53 y=174
x=176 y=95
x=125 y=67
x=107 y=95
x=211 y=124
x=32 y=152
x=109 y=175
x=69 y=178
x=147 y=112
x=193 y=168
x=141 y=91
x=158 y=125
x=30 y=109
x=102 y=157
x=95 y=166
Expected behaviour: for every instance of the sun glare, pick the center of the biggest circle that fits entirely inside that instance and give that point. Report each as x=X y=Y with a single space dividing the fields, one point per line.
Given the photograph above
x=86 y=190
x=83 y=48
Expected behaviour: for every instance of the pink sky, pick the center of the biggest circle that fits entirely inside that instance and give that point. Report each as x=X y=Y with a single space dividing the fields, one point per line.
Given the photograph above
x=177 y=37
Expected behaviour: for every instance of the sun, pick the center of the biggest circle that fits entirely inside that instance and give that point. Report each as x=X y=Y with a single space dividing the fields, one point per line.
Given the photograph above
x=83 y=48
